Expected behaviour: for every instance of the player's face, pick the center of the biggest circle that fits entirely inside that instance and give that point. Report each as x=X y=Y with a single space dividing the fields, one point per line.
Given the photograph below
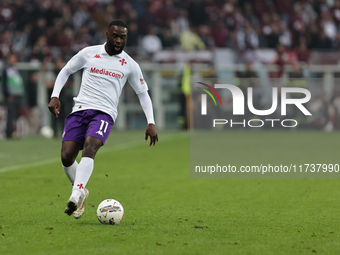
x=116 y=38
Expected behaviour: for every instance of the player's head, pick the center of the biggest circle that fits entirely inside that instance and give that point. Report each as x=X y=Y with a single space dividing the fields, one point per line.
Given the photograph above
x=116 y=36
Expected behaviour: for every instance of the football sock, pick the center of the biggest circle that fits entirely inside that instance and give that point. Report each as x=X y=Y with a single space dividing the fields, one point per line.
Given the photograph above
x=83 y=174
x=70 y=171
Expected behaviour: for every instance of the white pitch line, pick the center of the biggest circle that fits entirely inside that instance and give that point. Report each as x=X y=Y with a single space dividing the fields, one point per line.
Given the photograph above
x=31 y=164
x=117 y=147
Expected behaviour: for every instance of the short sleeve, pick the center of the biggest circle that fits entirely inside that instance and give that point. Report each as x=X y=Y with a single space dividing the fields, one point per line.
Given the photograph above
x=136 y=80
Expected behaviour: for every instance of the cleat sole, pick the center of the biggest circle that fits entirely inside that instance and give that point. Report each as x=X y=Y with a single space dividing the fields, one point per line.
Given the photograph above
x=71 y=207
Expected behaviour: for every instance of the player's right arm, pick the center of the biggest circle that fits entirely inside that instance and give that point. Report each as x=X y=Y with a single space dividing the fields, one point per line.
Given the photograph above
x=76 y=63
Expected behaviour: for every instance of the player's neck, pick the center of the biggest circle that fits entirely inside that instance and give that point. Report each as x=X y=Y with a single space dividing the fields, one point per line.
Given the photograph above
x=107 y=49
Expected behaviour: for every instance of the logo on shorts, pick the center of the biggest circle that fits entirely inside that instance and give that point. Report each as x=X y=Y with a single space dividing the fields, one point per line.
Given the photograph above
x=101 y=131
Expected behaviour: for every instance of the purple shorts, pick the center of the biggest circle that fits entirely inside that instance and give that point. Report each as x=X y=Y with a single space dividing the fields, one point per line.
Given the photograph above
x=81 y=124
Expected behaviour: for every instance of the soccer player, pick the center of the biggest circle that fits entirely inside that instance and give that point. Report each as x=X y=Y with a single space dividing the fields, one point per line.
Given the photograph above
x=106 y=69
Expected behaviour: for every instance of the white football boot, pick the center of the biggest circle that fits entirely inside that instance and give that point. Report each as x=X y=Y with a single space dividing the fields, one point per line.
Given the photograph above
x=81 y=205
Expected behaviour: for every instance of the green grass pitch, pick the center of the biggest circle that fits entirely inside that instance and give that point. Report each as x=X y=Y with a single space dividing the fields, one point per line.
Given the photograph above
x=166 y=211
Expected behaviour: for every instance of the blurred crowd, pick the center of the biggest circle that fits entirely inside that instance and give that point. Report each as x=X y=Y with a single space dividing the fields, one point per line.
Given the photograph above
x=37 y=30
x=52 y=31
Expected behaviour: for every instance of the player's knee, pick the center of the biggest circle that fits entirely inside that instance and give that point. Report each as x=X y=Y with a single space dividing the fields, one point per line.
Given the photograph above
x=67 y=158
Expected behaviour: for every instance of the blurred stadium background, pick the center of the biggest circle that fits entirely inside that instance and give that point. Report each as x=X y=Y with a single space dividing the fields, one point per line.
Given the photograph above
x=222 y=39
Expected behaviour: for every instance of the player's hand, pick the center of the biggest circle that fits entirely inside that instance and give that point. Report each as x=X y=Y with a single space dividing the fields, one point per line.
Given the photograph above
x=54 y=106
x=151 y=131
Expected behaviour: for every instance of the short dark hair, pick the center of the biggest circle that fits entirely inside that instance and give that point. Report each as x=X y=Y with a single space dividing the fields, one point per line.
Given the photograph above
x=118 y=22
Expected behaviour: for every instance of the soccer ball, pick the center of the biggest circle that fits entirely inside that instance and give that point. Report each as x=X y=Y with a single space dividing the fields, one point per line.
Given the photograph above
x=110 y=212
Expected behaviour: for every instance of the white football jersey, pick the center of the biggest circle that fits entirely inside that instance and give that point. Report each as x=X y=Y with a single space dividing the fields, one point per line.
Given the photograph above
x=103 y=79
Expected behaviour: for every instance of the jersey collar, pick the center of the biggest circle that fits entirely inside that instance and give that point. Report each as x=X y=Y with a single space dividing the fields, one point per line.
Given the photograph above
x=103 y=51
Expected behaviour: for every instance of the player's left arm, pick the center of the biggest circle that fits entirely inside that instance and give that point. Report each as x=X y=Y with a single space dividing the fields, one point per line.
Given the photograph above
x=138 y=83
x=145 y=102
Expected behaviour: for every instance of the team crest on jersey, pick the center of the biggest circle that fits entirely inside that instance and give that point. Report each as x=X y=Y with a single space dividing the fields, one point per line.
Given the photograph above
x=123 y=61
x=97 y=56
